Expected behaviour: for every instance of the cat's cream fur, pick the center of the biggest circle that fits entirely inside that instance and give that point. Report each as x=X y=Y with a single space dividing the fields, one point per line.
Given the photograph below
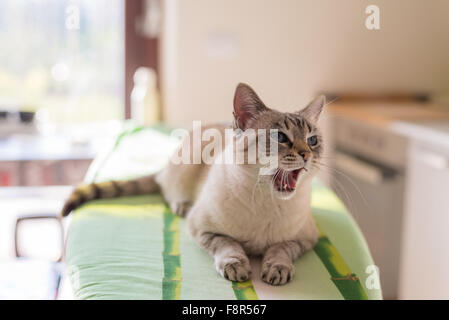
x=232 y=211
x=228 y=201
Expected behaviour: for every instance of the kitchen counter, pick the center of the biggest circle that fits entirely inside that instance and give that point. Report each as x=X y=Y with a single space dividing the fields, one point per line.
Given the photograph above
x=417 y=121
x=37 y=147
x=435 y=133
x=385 y=114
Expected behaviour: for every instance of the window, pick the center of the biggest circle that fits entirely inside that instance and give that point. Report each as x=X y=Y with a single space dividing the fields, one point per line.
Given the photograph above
x=63 y=58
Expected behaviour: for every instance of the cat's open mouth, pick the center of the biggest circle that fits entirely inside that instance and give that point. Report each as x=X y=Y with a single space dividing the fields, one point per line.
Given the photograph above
x=285 y=181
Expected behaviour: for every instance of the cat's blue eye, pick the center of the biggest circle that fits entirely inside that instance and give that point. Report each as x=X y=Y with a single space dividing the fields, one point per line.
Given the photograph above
x=281 y=137
x=312 y=141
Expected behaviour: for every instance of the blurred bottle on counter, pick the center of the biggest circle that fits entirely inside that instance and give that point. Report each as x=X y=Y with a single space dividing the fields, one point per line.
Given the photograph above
x=145 y=102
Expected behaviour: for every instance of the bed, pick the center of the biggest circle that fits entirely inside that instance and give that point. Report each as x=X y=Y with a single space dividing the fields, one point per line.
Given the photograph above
x=136 y=248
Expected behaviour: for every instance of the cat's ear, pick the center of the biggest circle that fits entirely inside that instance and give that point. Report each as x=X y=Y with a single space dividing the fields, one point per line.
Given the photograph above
x=247 y=106
x=313 y=110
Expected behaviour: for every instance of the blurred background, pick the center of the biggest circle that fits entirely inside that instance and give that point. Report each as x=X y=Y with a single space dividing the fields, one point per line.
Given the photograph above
x=71 y=72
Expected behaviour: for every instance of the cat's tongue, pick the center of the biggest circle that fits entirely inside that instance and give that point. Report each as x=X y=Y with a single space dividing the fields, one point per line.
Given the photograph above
x=286 y=180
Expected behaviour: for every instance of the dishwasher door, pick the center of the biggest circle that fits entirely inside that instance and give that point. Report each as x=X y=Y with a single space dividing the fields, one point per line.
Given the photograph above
x=373 y=194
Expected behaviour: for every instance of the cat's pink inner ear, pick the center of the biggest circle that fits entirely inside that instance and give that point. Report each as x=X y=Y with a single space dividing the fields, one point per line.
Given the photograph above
x=314 y=109
x=247 y=105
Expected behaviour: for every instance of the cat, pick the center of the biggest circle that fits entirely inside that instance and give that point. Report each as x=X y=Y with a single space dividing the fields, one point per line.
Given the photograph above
x=232 y=211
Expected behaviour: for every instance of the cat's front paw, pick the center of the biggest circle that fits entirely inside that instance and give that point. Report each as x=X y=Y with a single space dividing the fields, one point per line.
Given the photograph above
x=235 y=269
x=277 y=273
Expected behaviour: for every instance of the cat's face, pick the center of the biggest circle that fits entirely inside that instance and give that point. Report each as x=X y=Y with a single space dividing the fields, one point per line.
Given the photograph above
x=298 y=139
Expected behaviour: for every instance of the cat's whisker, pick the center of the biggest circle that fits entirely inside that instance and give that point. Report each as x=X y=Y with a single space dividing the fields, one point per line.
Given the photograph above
x=345 y=176
x=341 y=190
x=332 y=101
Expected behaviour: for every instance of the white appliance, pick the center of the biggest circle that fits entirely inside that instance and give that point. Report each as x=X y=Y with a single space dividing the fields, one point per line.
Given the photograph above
x=424 y=269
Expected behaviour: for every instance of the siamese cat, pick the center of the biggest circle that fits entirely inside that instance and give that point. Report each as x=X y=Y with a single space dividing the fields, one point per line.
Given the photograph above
x=232 y=211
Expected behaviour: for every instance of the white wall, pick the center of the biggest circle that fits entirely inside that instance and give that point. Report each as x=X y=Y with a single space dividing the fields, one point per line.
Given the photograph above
x=290 y=49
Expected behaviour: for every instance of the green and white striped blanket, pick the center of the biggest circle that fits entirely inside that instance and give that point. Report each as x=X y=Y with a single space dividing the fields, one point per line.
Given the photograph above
x=135 y=248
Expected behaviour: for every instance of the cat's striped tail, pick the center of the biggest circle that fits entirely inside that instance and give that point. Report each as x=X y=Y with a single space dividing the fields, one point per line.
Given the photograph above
x=109 y=189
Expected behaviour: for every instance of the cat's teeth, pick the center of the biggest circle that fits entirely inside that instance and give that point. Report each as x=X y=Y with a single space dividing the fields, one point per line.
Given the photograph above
x=285 y=186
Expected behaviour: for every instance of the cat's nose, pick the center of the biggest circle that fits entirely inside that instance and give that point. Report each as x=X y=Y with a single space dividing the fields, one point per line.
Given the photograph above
x=304 y=154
